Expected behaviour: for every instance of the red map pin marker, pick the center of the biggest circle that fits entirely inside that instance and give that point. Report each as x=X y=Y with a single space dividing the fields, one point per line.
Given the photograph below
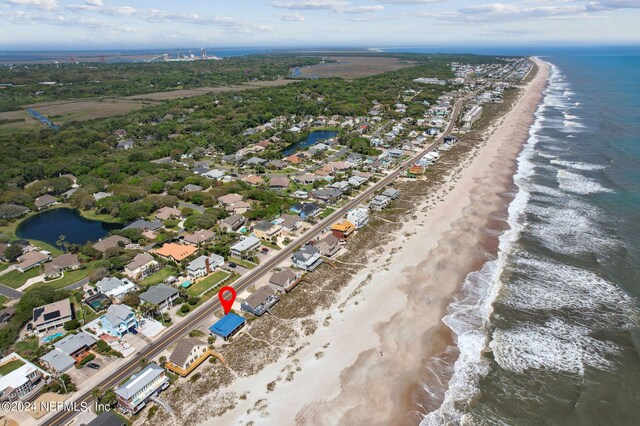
x=227 y=303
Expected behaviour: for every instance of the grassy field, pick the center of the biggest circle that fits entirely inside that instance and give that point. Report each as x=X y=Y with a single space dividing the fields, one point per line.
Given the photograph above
x=208 y=295
x=271 y=245
x=3 y=299
x=15 y=278
x=26 y=346
x=3 y=266
x=70 y=277
x=91 y=214
x=10 y=366
x=208 y=283
x=353 y=67
x=326 y=212
x=157 y=277
x=241 y=262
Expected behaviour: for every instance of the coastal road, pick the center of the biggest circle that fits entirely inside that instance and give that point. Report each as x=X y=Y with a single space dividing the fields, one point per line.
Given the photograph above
x=206 y=311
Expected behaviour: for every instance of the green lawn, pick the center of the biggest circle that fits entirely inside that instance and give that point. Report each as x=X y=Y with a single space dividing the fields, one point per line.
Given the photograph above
x=15 y=278
x=91 y=214
x=208 y=283
x=3 y=299
x=26 y=346
x=3 y=266
x=10 y=366
x=69 y=277
x=55 y=251
x=326 y=212
x=157 y=277
x=241 y=262
x=271 y=245
x=208 y=295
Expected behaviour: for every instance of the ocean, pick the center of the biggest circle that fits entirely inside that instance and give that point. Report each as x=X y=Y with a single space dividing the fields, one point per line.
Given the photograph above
x=549 y=332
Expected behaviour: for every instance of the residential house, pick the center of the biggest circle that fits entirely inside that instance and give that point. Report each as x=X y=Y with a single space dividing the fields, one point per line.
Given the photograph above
x=6 y=314
x=395 y=153
x=144 y=225
x=327 y=195
x=100 y=195
x=232 y=223
x=187 y=355
x=391 y=193
x=134 y=394
x=279 y=183
x=290 y=223
x=31 y=259
x=241 y=207
x=255 y=161
x=204 y=265
x=276 y=164
x=199 y=237
x=45 y=201
x=245 y=247
x=227 y=326
x=266 y=230
x=167 y=213
x=307 y=258
x=358 y=216
x=253 y=180
x=191 y=188
x=125 y=144
x=160 y=295
x=118 y=320
x=57 y=361
x=285 y=280
x=22 y=380
x=77 y=345
x=10 y=210
x=356 y=181
x=55 y=268
x=306 y=210
x=342 y=186
x=260 y=301
x=112 y=241
x=379 y=202
x=214 y=174
x=107 y=418
x=328 y=245
x=52 y=316
x=115 y=287
x=229 y=199
x=354 y=159
x=415 y=171
x=306 y=179
x=141 y=266
x=176 y=252
x=343 y=230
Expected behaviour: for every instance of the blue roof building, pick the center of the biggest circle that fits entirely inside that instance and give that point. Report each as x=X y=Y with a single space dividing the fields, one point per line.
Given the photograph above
x=227 y=326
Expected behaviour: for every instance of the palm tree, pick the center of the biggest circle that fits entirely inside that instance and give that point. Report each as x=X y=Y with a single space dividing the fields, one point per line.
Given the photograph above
x=61 y=241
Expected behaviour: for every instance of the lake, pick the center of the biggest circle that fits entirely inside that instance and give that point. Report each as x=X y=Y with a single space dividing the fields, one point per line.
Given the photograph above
x=312 y=139
x=50 y=224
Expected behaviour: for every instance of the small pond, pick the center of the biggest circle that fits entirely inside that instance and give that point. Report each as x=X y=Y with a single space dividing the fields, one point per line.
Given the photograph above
x=50 y=224
x=312 y=139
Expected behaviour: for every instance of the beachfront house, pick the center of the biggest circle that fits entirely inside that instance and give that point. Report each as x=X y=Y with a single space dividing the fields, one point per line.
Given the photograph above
x=328 y=245
x=260 y=301
x=307 y=258
x=134 y=394
x=187 y=355
x=227 y=326
x=358 y=216
x=21 y=379
x=285 y=280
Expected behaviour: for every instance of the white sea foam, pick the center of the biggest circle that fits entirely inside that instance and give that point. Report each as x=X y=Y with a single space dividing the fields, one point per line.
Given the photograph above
x=555 y=345
x=579 y=184
x=469 y=315
x=578 y=165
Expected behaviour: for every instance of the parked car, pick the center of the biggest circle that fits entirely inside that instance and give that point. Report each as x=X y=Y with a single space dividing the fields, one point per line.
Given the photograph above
x=231 y=265
x=265 y=250
x=93 y=365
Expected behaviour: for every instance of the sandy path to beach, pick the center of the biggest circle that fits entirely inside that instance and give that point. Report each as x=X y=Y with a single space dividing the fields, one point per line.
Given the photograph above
x=366 y=365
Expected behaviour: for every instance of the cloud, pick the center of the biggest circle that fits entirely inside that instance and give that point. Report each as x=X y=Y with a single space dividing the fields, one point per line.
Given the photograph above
x=290 y=17
x=408 y=1
x=96 y=3
x=48 y=5
x=338 y=6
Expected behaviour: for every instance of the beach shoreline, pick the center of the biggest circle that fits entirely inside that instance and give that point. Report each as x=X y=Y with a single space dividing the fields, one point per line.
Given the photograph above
x=368 y=362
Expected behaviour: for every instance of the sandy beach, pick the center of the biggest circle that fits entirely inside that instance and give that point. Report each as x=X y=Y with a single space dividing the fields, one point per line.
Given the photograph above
x=368 y=362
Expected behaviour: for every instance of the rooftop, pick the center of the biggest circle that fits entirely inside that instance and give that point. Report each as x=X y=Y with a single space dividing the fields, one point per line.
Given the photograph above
x=226 y=325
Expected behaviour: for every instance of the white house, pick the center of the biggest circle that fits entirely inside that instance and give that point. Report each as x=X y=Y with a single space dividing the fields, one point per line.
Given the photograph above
x=204 y=265
x=115 y=287
x=359 y=217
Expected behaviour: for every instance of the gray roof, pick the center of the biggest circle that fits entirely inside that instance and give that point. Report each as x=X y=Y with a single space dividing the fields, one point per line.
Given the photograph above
x=191 y=187
x=263 y=225
x=255 y=160
x=259 y=296
x=283 y=277
x=234 y=220
x=58 y=360
x=106 y=418
x=183 y=349
x=245 y=243
x=200 y=262
x=144 y=224
x=140 y=260
x=44 y=200
x=391 y=192
x=158 y=294
x=117 y=313
x=109 y=283
x=139 y=380
x=74 y=342
x=306 y=252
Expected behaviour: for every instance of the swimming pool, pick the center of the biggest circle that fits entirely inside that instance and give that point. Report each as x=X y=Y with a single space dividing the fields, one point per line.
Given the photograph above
x=186 y=284
x=52 y=337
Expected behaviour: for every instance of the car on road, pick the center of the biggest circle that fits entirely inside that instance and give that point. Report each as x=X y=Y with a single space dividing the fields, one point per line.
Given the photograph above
x=93 y=365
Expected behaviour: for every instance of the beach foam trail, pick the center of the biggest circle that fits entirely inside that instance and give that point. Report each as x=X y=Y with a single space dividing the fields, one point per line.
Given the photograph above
x=469 y=314
x=544 y=321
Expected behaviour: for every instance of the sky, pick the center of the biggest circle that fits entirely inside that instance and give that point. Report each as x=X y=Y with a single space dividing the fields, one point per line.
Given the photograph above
x=103 y=24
